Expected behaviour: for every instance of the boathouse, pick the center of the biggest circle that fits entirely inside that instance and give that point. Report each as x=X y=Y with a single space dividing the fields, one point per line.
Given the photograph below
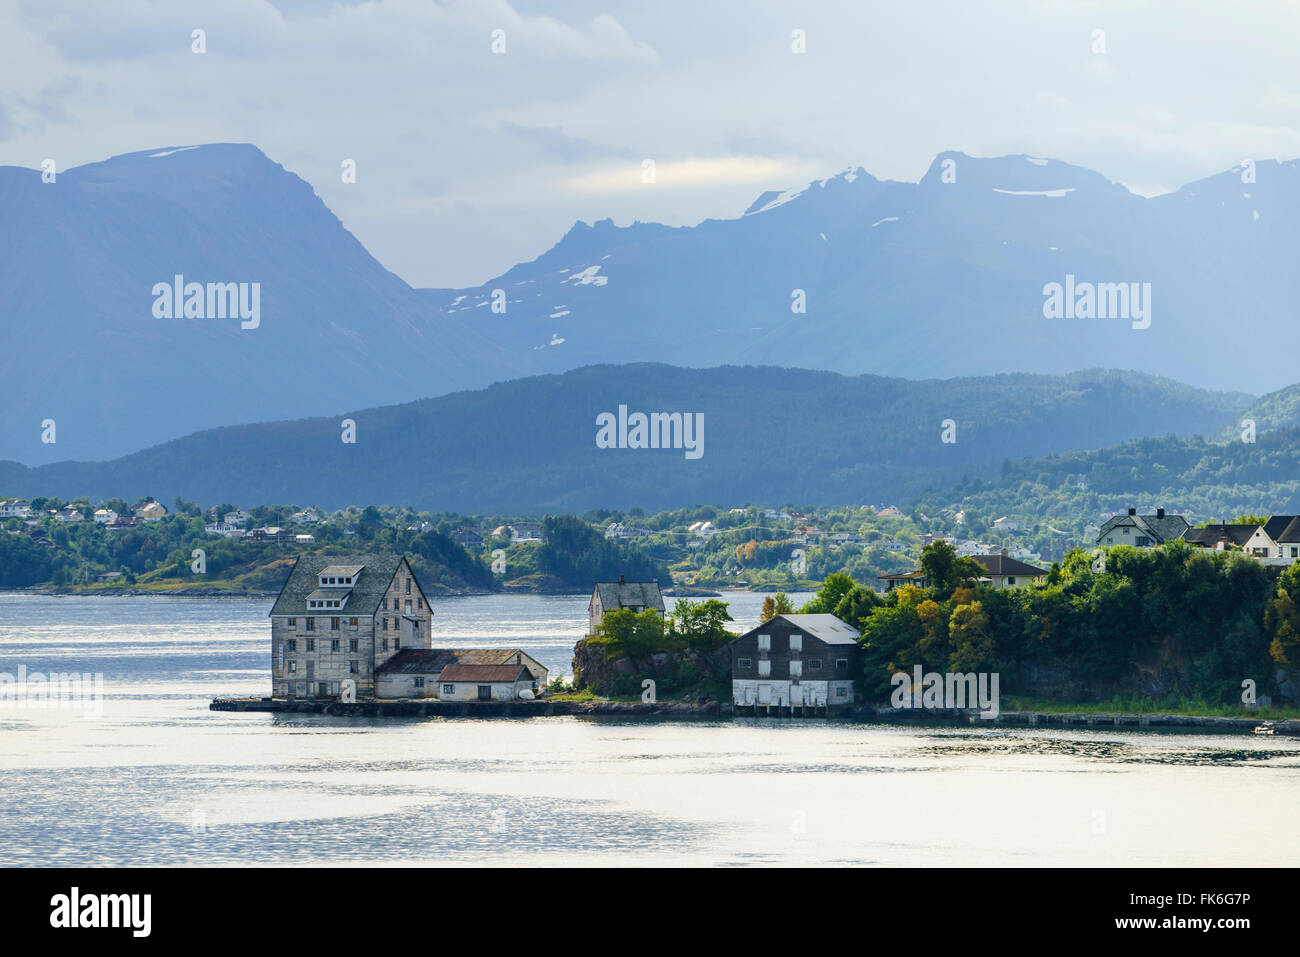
x=796 y=662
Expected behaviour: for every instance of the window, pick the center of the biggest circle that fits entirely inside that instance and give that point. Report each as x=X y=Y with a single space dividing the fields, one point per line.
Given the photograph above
x=385 y=646
x=397 y=643
x=334 y=624
x=841 y=692
x=293 y=622
x=385 y=625
x=842 y=663
x=1011 y=579
x=396 y=606
x=293 y=644
x=293 y=666
x=408 y=606
x=311 y=624
x=448 y=689
x=354 y=667
x=352 y=644
x=352 y=622
x=417 y=682
x=419 y=603
x=334 y=645
x=1142 y=541
x=408 y=586
x=744 y=662
x=1295 y=552
x=311 y=644
x=814 y=664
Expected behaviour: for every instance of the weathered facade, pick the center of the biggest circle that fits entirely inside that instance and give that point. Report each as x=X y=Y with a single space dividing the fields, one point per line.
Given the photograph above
x=610 y=596
x=796 y=660
x=340 y=619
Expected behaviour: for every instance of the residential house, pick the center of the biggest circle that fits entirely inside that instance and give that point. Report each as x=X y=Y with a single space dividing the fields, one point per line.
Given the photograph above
x=304 y=517
x=15 y=508
x=610 y=596
x=225 y=530
x=150 y=511
x=1003 y=571
x=796 y=660
x=417 y=672
x=270 y=533
x=1277 y=541
x=304 y=539
x=1142 y=531
x=898 y=579
x=702 y=529
x=525 y=532
x=104 y=516
x=467 y=538
x=1222 y=537
x=237 y=517
x=69 y=513
x=340 y=619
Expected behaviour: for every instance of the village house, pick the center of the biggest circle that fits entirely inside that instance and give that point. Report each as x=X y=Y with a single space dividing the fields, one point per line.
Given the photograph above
x=467 y=538
x=270 y=533
x=104 y=516
x=796 y=660
x=150 y=511
x=1142 y=531
x=1003 y=571
x=69 y=513
x=225 y=530
x=237 y=517
x=15 y=508
x=1277 y=541
x=340 y=619
x=304 y=517
x=1222 y=537
x=611 y=596
x=418 y=673
x=898 y=579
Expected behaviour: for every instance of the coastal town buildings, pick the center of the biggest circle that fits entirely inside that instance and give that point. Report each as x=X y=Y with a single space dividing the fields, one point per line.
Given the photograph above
x=420 y=673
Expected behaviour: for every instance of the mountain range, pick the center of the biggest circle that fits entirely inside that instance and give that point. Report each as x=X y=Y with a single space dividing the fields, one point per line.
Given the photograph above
x=769 y=436
x=936 y=279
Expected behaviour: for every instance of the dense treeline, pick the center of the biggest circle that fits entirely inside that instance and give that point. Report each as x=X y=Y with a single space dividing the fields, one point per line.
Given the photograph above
x=574 y=553
x=1174 y=620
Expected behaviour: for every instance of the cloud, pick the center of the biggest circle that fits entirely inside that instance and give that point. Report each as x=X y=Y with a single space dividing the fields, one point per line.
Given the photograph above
x=688 y=173
x=553 y=141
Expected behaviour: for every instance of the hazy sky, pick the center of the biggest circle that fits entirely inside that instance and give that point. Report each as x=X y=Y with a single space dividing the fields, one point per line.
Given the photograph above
x=469 y=161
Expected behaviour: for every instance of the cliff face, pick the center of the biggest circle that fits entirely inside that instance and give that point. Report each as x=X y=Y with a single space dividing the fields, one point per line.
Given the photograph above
x=688 y=673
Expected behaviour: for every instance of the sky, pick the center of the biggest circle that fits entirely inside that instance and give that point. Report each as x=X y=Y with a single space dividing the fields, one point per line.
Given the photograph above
x=469 y=160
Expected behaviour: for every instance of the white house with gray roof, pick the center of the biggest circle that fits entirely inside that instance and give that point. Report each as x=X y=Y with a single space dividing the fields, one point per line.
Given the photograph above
x=339 y=619
x=611 y=596
x=1142 y=531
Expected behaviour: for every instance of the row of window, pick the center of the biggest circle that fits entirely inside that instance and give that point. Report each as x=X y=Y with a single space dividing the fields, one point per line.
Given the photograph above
x=335 y=623
x=814 y=664
x=419 y=603
x=291 y=644
x=354 y=666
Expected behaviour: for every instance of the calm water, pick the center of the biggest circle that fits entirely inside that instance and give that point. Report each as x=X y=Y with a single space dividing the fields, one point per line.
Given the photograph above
x=159 y=779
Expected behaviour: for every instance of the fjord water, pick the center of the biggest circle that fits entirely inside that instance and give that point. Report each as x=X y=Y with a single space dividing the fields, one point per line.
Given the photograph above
x=159 y=779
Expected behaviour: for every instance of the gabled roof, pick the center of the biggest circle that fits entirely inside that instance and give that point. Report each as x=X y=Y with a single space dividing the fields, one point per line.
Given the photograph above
x=1283 y=528
x=1006 y=565
x=1210 y=534
x=368 y=589
x=1167 y=529
x=431 y=661
x=828 y=628
x=488 y=673
x=624 y=594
